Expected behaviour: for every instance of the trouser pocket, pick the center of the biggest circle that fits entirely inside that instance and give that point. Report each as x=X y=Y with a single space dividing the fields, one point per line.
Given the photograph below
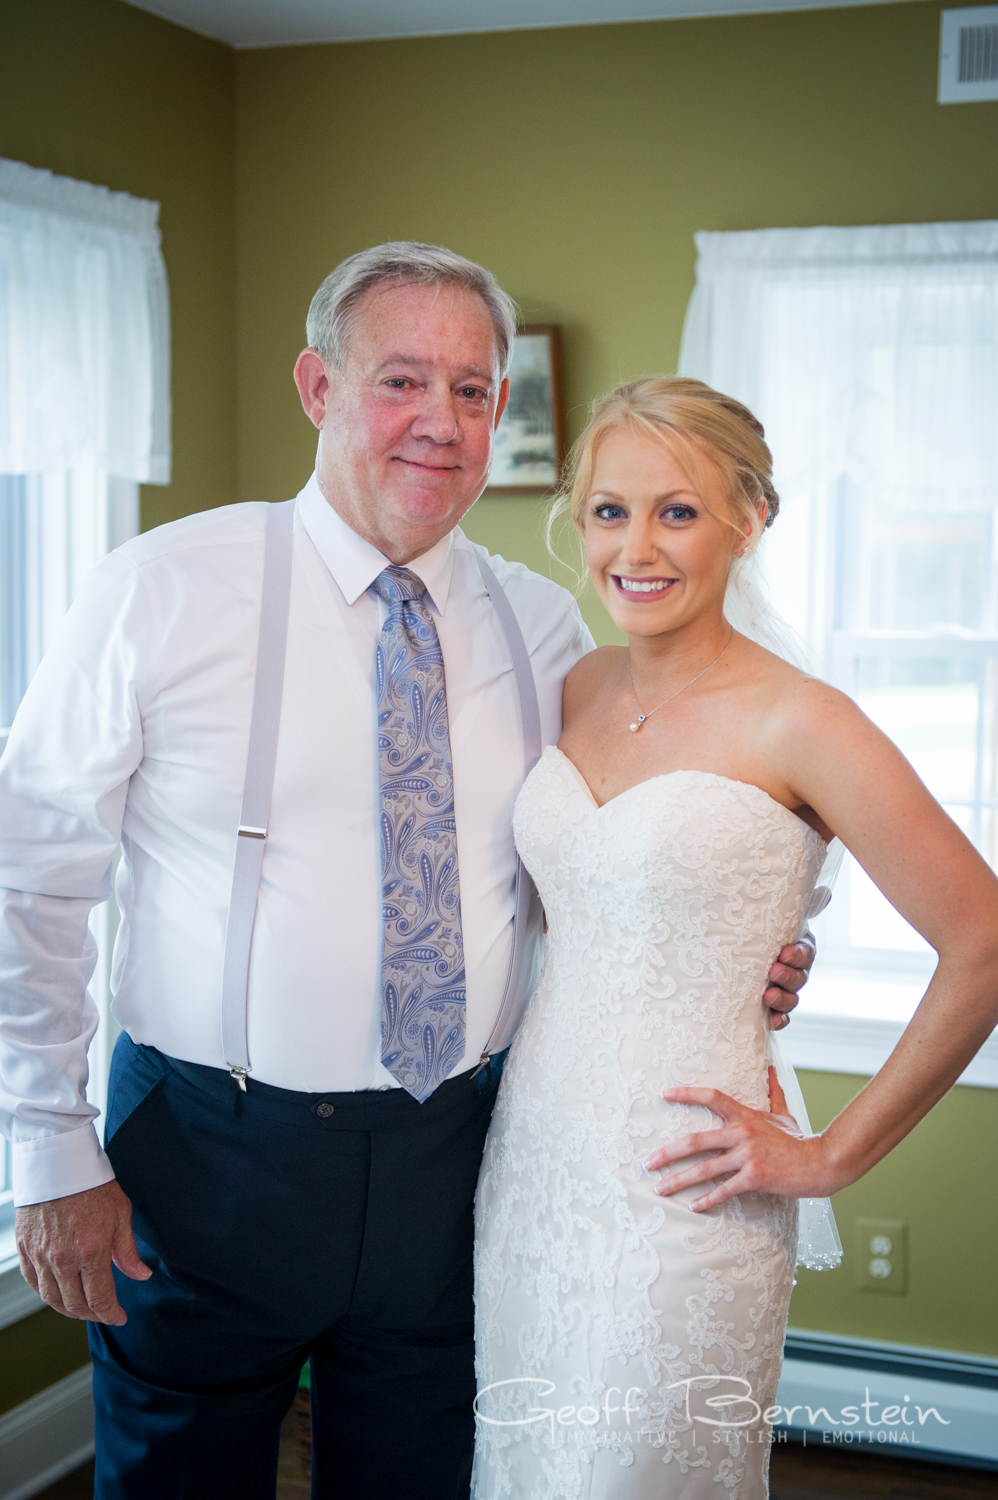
x=135 y=1072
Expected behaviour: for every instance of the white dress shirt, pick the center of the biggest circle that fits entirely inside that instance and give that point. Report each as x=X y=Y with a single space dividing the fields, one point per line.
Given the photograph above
x=135 y=729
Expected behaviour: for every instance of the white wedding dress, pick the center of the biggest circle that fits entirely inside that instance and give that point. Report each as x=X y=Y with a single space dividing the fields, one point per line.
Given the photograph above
x=608 y=1317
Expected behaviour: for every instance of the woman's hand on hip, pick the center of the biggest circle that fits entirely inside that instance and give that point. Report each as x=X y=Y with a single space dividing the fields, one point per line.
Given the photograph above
x=754 y=1151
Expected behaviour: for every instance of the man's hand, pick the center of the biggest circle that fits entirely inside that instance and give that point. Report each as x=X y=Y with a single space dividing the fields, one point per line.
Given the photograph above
x=789 y=974
x=67 y=1246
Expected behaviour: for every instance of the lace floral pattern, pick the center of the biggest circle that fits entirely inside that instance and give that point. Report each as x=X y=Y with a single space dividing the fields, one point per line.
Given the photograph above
x=608 y=1318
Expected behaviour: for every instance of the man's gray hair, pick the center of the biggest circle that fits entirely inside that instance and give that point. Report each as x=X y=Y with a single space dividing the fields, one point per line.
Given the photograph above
x=401 y=263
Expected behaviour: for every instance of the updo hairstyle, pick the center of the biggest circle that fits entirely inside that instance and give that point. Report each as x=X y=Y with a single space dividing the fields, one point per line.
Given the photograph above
x=711 y=436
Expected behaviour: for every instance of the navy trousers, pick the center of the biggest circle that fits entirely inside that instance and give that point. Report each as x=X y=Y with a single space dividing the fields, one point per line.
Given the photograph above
x=280 y=1227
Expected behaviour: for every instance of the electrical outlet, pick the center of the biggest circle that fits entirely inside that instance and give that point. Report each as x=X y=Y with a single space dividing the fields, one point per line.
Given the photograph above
x=882 y=1256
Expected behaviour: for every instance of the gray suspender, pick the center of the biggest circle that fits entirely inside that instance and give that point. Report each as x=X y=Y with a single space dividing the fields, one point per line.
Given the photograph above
x=526 y=909
x=261 y=757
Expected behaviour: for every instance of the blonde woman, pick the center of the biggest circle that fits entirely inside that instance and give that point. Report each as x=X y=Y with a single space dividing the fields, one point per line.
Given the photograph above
x=637 y=1207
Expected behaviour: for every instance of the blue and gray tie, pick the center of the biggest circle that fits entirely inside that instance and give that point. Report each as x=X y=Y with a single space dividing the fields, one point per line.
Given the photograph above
x=422 y=968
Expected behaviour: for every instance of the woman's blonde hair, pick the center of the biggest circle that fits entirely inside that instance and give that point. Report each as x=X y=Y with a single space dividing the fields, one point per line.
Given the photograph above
x=710 y=435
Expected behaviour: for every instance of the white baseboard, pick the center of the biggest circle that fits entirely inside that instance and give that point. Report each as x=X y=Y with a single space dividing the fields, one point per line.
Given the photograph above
x=46 y=1437
x=939 y=1405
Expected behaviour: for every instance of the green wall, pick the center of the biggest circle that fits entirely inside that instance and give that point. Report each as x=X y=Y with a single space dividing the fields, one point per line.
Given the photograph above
x=940 y=1182
x=577 y=163
x=37 y=1352
x=101 y=91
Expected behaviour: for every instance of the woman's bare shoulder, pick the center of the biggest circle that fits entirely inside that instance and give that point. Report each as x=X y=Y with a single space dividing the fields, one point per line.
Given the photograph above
x=803 y=714
x=592 y=668
x=806 y=698
x=793 y=706
x=784 y=682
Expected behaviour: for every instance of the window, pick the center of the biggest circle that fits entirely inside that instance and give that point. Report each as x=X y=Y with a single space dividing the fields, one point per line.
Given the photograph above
x=84 y=418
x=53 y=528
x=871 y=357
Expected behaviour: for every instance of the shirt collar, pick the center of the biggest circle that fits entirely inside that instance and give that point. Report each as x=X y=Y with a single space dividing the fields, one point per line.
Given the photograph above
x=355 y=563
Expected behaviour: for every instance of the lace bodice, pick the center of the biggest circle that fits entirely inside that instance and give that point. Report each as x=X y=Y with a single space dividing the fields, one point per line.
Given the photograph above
x=683 y=889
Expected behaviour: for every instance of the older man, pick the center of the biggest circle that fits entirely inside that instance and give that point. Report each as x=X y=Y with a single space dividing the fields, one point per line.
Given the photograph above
x=305 y=725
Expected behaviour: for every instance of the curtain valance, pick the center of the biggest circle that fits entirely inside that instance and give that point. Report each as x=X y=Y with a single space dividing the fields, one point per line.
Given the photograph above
x=84 y=329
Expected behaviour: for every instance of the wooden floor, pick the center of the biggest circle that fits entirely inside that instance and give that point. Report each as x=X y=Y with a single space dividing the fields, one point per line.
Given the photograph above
x=824 y=1473
x=293 y=1482
x=798 y=1474
x=76 y=1486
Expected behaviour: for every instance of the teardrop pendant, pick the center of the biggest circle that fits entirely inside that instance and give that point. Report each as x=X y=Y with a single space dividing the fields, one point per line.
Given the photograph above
x=634 y=728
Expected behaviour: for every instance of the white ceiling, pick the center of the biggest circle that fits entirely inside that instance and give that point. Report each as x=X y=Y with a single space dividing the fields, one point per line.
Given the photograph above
x=270 y=23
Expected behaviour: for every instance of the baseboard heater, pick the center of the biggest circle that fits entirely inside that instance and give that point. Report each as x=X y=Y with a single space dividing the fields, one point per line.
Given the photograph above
x=898 y=1399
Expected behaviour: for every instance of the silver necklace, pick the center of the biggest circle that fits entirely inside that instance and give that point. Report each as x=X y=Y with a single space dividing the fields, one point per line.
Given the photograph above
x=643 y=718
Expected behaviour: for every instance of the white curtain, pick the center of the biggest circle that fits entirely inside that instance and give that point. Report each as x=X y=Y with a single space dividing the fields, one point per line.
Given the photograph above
x=84 y=329
x=871 y=357
x=870 y=351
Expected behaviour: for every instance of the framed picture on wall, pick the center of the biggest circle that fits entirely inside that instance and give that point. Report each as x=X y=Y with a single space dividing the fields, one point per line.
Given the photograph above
x=530 y=439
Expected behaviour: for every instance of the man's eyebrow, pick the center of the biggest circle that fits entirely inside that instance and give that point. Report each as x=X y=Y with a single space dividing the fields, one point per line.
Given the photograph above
x=477 y=371
x=401 y=359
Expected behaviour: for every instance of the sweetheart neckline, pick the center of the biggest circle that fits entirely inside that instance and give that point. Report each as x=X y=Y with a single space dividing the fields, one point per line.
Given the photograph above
x=599 y=807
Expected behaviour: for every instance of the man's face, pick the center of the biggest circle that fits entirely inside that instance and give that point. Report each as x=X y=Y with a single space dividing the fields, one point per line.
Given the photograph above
x=407 y=426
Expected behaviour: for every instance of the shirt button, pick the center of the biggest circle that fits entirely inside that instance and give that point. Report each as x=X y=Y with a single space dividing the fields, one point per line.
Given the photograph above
x=324 y=1110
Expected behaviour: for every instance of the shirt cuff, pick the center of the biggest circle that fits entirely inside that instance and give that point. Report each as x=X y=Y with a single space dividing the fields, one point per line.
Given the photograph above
x=54 y=1166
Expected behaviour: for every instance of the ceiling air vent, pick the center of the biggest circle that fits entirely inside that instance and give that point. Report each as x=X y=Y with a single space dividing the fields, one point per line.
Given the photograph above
x=968 y=55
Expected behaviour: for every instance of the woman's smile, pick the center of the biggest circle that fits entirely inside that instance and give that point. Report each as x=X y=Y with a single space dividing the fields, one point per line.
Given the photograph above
x=642 y=590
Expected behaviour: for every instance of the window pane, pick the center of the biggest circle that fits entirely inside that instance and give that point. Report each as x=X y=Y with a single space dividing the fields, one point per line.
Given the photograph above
x=927 y=572
x=932 y=721
x=18 y=649
x=873 y=922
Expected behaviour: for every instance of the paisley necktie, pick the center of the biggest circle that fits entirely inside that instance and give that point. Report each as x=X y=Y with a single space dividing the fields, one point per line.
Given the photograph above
x=422 y=967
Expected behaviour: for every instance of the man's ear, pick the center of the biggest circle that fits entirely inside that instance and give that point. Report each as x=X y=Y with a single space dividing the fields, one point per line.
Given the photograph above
x=312 y=380
x=501 y=401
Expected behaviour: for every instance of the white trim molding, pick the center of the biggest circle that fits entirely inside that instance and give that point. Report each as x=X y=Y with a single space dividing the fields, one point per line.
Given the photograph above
x=862 y=1044
x=17 y=1300
x=281 y=23
x=46 y=1437
x=889 y=1398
